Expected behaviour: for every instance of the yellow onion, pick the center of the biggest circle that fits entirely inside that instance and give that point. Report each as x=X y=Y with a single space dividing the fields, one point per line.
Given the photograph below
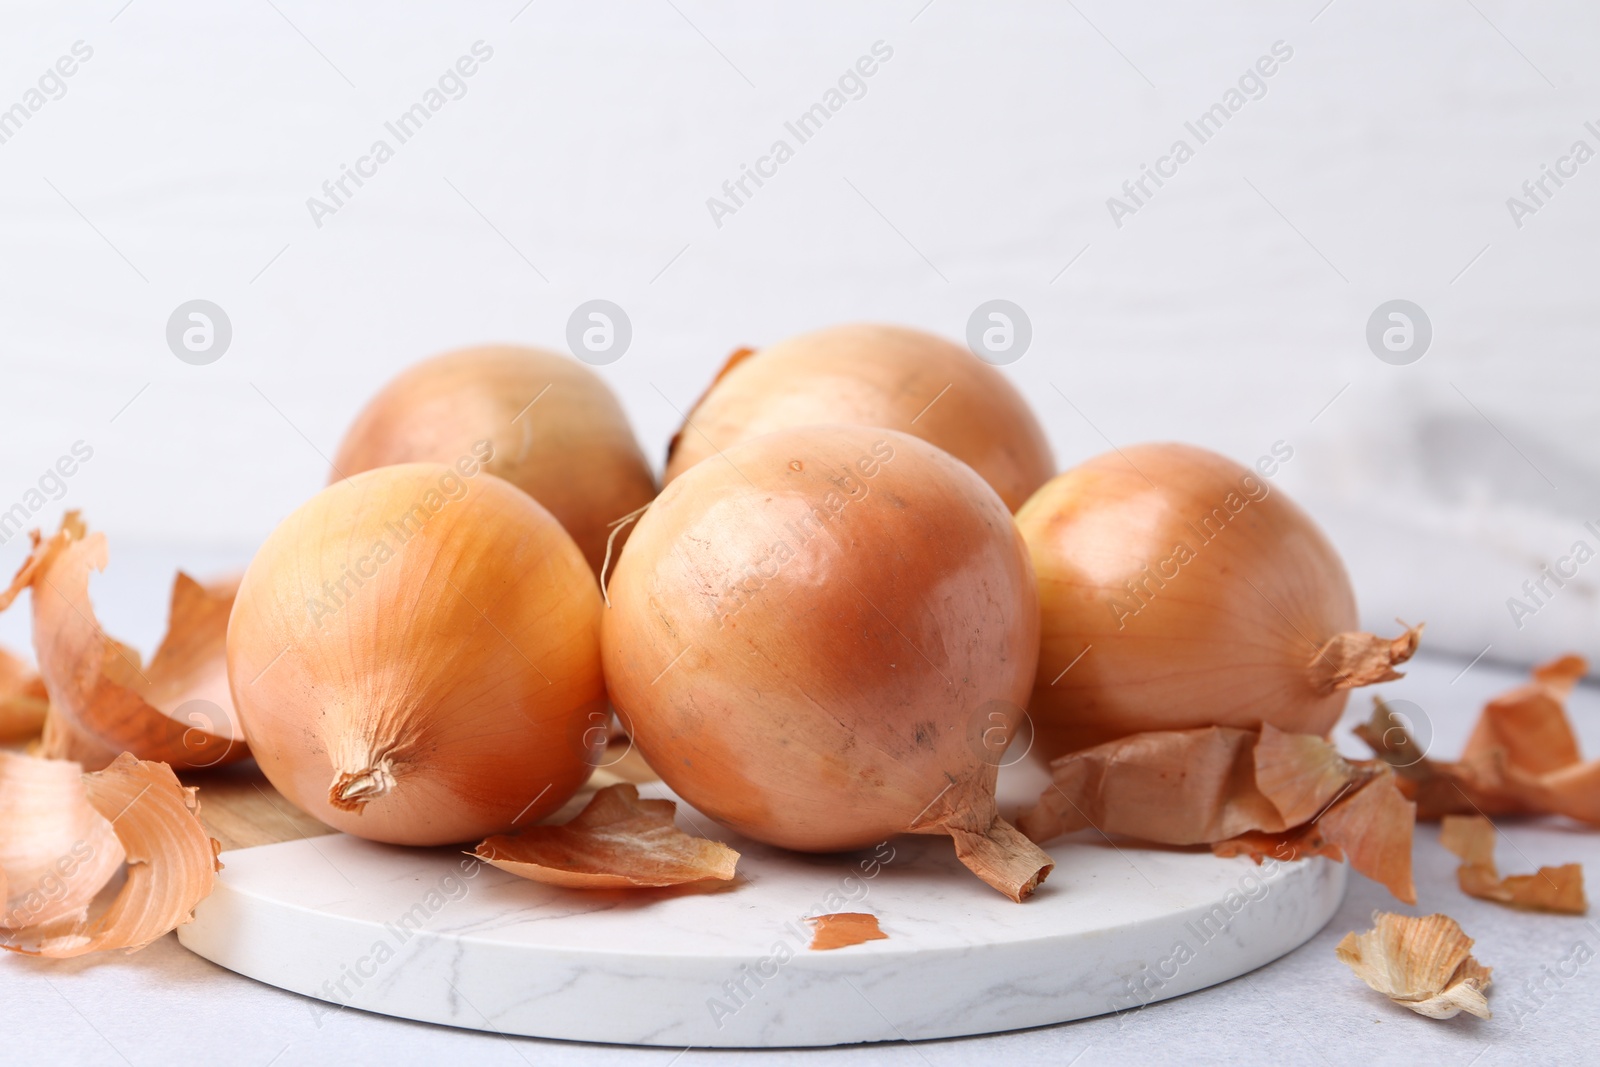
x=824 y=638
x=554 y=429
x=414 y=655
x=868 y=375
x=1179 y=590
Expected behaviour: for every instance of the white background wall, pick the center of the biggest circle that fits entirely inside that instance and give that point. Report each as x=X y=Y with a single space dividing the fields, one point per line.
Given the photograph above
x=1229 y=311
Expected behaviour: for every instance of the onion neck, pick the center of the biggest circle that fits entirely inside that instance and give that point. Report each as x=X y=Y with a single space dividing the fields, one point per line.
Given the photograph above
x=1352 y=660
x=352 y=790
x=990 y=847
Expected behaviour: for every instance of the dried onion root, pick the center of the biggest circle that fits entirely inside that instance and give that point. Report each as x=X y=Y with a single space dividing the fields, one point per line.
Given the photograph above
x=1180 y=590
x=1245 y=792
x=66 y=835
x=550 y=426
x=869 y=375
x=1556 y=889
x=1423 y=964
x=811 y=635
x=103 y=700
x=1522 y=757
x=616 y=842
x=415 y=656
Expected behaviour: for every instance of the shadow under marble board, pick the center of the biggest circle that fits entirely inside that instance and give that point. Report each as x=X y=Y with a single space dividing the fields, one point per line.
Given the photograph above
x=430 y=935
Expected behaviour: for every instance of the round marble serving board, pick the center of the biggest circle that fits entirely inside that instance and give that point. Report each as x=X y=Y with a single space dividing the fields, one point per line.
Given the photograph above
x=427 y=934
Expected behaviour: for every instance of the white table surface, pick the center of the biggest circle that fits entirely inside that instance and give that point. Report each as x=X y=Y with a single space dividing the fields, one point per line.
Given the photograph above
x=164 y=1005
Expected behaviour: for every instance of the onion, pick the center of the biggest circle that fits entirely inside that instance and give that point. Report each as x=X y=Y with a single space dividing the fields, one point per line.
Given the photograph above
x=555 y=431
x=885 y=376
x=820 y=639
x=1179 y=590
x=414 y=655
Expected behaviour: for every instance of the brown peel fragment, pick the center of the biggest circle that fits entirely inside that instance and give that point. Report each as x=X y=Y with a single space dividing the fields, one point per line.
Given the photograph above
x=1420 y=963
x=1374 y=826
x=1522 y=757
x=103 y=700
x=1351 y=660
x=1300 y=773
x=171 y=863
x=618 y=841
x=1244 y=792
x=843 y=929
x=23 y=700
x=1175 y=787
x=1471 y=837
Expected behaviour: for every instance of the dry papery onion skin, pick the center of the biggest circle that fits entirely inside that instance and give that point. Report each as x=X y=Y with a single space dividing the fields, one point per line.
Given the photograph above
x=1179 y=590
x=23 y=700
x=872 y=375
x=544 y=422
x=618 y=841
x=1255 y=793
x=103 y=700
x=1522 y=757
x=66 y=835
x=1554 y=889
x=1422 y=963
x=415 y=656
x=810 y=634
x=843 y=929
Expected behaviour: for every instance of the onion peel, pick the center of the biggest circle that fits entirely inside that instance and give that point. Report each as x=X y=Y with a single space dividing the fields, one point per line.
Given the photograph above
x=1521 y=758
x=618 y=841
x=842 y=929
x=1471 y=837
x=1244 y=792
x=1421 y=963
x=1374 y=825
x=23 y=700
x=171 y=864
x=103 y=700
x=57 y=851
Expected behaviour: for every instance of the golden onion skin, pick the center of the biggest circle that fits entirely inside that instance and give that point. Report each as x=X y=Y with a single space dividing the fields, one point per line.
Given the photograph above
x=453 y=673
x=573 y=450
x=869 y=375
x=1227 y=636
x=807 y=634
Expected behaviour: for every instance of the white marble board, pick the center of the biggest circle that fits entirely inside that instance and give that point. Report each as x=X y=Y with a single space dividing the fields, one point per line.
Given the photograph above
x=432 y=936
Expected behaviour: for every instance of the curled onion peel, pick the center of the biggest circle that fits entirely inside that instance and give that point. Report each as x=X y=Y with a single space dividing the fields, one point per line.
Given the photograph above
x=618 y=841
x=68 y=832
x=1180 y=590
x=869 y=375
x=415 y=656
x=815 y=635
x=553 y=427
x=103 y=700
x=1522 y=756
